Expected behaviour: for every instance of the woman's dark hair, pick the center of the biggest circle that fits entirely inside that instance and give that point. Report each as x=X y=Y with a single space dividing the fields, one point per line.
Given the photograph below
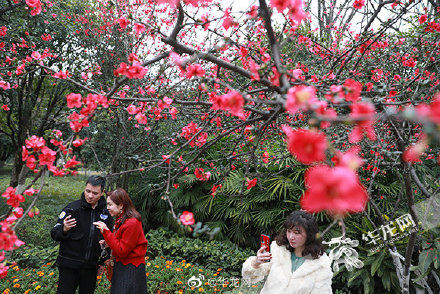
x=120 y=196
x=306 y=221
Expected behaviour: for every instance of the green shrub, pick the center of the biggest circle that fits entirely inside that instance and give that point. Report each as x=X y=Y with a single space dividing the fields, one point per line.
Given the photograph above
x=34 y=256
x=210 y=254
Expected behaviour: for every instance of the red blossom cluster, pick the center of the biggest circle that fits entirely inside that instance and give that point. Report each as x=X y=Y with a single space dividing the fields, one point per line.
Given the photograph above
x=336 y=190
x=201 y=175
x=190 y=130
x=90 y=102
x=232 y=102
x=135 y=70
x=295 y=9
x=174 y=3
x=35 y=5
x=36 y=154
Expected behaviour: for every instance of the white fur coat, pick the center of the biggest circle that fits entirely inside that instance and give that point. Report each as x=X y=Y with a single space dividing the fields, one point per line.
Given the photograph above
x=314 y=276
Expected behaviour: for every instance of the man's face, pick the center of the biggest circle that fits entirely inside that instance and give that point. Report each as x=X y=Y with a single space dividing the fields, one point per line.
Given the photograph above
x=92 y=194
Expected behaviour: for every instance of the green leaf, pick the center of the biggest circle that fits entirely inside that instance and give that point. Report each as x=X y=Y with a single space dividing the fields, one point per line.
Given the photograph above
x=368 y=285
x=419 y=278
x=386 y=280
x=425 y=259
x=377 y=262
x=353 y=277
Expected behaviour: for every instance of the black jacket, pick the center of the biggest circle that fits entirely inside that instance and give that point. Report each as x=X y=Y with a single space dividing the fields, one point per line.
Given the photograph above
x=79 y=247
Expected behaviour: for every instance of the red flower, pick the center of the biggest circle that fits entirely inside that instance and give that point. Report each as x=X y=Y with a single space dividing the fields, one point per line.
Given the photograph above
x=78 y=142
x=354 y=89
x=362 y=110
x=13 y=199
x=35 y=5
x=194 y=70
x=228 y=21
x=24 y=153
x=74 y=100
x=30 y=192
x=214 y=189
x=413 y=152
x=187 y=218
x=31 y=162
x=35 y=142
x=358 y=4
x=201 y=175
x=5 y=86
x=18 y=212
x=77 y=121
x=349 y=159
x=60 y=75
x=335 y=190
x=123 y=22
x=307 y=146
x=136 y=71
x=139 y=28
x=265 y=157
x=280 y=5
x=47 y=156
x=232 y=102
x=300 y=98
x=251 y=183
x=72 y=162
x=423 y=18
x=3 y=31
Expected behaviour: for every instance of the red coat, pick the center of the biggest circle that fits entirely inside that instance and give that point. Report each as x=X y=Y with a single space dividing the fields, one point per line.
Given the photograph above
x=128 y=244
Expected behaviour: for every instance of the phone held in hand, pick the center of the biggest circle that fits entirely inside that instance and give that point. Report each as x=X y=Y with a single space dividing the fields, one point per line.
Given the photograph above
x=71 y=212
x=265 y=241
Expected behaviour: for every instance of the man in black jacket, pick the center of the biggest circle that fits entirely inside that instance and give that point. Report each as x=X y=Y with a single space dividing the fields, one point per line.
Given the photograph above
x=79 y=239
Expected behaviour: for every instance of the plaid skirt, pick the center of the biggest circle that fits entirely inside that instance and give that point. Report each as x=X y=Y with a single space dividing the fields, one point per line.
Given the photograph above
x=129 y=279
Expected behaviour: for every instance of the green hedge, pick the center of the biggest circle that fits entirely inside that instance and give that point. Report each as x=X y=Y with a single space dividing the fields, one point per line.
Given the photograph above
x=210 y=254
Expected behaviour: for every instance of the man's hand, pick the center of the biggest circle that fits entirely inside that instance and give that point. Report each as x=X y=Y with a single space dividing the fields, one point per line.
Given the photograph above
x=68 y=223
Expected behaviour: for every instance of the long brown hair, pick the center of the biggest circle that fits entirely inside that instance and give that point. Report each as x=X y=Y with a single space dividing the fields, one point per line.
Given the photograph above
x=305 y=220
x=120 y=196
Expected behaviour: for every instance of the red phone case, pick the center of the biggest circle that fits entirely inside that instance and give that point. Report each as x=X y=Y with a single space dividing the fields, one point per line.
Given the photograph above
x=265 y=241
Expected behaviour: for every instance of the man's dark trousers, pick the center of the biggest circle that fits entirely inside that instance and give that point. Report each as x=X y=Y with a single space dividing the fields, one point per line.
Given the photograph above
x=71 y=278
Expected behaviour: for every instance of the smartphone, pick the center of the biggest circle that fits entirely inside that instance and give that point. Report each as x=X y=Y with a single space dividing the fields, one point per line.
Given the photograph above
x=265 y=241
x=71 y=212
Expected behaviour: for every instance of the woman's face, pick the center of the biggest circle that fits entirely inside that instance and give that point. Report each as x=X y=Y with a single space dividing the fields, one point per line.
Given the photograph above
x=297 y=237
x=112 y=208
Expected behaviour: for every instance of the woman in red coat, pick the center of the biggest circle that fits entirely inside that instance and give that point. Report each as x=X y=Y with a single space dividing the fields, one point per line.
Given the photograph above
x=128 y=244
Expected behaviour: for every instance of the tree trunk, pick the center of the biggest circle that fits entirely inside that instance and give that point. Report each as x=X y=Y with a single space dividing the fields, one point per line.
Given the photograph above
x=16 y=169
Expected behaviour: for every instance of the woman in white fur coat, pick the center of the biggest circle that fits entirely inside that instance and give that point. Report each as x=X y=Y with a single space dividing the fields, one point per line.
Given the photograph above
x=296 y=263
